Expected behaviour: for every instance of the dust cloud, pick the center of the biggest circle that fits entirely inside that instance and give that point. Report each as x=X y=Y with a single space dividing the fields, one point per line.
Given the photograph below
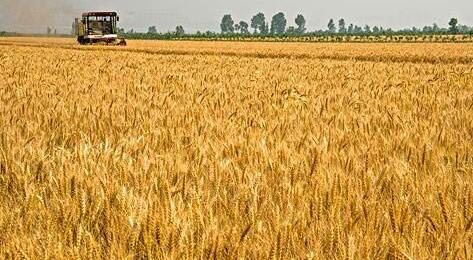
x=35 y=16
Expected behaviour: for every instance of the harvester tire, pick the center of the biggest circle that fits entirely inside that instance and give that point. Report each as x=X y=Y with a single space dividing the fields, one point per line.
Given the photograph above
x=81 y=40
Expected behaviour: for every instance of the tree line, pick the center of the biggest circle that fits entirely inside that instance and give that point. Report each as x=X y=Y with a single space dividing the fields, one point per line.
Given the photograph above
x=279 y=26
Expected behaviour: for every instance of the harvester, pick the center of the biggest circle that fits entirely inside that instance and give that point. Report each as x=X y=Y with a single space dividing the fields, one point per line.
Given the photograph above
x=98 y=28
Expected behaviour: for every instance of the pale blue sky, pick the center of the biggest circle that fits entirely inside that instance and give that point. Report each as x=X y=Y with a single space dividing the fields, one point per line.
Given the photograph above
x=35 y=15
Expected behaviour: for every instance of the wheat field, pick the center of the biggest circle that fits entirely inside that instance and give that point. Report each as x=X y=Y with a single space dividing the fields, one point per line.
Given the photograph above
x=235 y=150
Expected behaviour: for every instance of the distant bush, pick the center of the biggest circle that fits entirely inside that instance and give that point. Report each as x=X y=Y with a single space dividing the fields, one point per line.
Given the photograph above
x=306 y=37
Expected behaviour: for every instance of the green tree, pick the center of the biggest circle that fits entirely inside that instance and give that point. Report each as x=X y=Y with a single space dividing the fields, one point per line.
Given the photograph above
x=367 y=29
x=265 y=28
x=278 y=23
x=464 y=29
x=342 y=26
x=152 y=30
x=227 y=24
x=350 y=29
x=331 y=26
x=291 y=30
x=237 y=28
x=376 y=30
x=453 y=29
x=180 y=30
x=258 y=22
x=244 y=27
x=300 y=21
x=210 y=34
x=357 y=30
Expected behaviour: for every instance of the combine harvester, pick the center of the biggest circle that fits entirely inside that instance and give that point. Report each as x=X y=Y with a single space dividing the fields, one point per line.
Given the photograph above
x=98 y=28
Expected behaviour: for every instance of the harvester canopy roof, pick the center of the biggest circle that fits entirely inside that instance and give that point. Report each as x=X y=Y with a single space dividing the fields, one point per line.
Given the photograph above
x=100 y=14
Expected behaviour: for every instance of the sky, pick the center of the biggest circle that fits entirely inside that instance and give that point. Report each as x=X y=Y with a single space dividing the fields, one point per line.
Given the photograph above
x=35 y=15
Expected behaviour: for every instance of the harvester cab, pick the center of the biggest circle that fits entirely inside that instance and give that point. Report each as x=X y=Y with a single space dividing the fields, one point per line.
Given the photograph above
x=98 y=28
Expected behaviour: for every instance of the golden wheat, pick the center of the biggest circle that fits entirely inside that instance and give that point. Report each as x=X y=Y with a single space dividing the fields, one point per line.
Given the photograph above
x=235 y=150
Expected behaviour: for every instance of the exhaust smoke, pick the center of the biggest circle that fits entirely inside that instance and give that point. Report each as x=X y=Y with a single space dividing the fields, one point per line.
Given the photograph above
x=35 y=16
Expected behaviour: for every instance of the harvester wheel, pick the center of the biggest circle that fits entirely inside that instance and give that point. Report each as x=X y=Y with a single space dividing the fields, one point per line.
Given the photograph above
x=122 y=42
x=81 y=40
